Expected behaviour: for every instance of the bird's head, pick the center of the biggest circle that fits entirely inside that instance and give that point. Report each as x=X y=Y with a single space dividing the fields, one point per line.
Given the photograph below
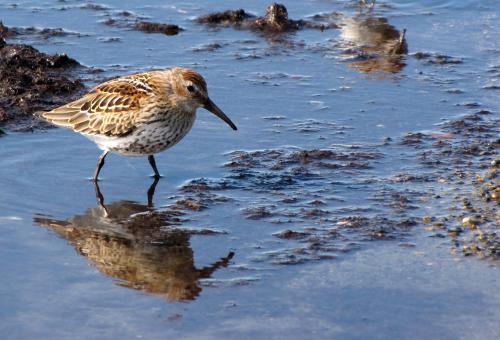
x=190 y=90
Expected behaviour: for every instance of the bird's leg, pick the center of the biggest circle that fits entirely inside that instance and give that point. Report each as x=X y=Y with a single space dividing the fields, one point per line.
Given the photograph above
x=151 y=192
x=152 y=161
x=100 y=164
x=100 y=198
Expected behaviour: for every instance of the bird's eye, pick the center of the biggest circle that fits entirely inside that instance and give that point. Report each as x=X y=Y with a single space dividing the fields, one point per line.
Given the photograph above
x=190 y=88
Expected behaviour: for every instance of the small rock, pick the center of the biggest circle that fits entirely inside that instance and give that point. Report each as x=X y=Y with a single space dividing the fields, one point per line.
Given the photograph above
x=470 y=222
x=291 y=235
x=151 y=27
x=427 y=219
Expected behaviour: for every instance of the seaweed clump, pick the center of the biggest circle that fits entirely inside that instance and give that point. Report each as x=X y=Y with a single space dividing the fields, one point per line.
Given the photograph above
x=151 y=27
x=275 y=20
x=226 y=18
x=467 y=161
x=31 y=81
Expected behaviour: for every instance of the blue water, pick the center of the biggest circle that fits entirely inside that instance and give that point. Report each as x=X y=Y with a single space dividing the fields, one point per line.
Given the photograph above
x=53 y=286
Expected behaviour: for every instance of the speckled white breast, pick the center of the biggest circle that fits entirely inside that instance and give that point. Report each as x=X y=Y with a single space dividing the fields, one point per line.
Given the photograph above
x=148 y=138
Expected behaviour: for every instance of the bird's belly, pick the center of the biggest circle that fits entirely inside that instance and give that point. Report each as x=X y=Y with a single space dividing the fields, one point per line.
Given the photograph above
x=146 y=140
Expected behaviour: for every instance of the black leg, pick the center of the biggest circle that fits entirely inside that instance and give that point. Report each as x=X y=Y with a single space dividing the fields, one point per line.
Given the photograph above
x=100 y=164
x=98 y=195
x=152 y=161
x=100 y=198
x=151 y=192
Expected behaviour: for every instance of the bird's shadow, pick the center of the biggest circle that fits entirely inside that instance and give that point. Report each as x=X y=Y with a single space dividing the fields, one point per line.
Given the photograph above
x=140 y=247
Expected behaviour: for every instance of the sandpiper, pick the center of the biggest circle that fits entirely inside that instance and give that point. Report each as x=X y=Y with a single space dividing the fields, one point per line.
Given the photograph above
x=139 y=114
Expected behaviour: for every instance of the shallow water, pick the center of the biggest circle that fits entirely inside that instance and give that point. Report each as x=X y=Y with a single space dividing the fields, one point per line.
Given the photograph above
x=327 y=243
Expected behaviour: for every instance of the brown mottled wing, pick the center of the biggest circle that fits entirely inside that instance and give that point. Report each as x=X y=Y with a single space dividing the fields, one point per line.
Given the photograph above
x=111 y=109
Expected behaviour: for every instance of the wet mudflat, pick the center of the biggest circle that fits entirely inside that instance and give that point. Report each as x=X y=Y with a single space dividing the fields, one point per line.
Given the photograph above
x=359 y=197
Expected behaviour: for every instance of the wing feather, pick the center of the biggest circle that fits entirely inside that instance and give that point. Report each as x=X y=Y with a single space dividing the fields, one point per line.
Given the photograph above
x=110 y=109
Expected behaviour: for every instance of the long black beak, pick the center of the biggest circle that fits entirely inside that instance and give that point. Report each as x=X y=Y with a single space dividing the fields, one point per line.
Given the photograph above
x=210 y=106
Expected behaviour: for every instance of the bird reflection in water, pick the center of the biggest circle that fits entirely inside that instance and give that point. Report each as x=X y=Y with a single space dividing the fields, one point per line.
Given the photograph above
x=138 y=246
x=375 y=45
